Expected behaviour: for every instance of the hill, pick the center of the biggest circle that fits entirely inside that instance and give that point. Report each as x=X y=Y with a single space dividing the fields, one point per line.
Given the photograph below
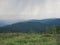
x=31 y=25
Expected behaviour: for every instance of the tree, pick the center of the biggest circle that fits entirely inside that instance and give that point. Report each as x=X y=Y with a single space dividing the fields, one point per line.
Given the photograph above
x=54 y=29
x=47 y=30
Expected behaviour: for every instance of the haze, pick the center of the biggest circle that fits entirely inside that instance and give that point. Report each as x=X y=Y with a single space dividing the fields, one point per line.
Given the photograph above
x=29 y=9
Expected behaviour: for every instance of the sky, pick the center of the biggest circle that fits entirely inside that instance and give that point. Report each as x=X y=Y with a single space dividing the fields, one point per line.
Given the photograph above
x=29 y=9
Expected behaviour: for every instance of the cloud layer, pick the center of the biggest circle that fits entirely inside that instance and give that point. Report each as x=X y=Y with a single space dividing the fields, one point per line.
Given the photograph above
x=29 y=9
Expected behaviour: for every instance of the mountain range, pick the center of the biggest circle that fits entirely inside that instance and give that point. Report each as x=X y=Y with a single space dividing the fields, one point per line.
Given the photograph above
x=30 y=25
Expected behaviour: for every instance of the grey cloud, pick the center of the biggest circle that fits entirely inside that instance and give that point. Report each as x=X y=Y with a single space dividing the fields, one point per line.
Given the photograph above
x=29 y=9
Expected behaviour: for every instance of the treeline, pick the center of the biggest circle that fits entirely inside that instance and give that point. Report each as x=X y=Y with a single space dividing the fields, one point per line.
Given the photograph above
x=53 y=30
x=47 y=30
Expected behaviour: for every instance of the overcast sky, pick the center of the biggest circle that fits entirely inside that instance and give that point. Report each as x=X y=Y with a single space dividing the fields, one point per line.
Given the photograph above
x=29 y=9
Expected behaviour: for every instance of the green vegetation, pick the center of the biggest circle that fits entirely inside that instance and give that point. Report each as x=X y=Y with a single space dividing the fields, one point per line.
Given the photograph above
x=28 y=39
x=47 y=37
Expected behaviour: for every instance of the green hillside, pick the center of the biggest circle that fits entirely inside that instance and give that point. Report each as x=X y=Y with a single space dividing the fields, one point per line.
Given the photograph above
x=28 y=39
x=34 y=25
x=46 y=37
x=12 y=35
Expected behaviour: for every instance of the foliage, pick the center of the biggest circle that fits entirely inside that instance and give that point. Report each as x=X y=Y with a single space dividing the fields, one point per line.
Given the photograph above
x=27 y=39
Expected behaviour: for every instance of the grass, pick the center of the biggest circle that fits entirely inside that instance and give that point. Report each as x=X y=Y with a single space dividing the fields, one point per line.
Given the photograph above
x=28 y=39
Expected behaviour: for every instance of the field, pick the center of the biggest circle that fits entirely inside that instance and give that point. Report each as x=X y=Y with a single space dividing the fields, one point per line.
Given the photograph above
x=29 y=39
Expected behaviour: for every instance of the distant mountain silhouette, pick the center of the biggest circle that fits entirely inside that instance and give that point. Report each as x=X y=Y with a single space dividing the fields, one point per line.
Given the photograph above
x=2 y=23
x=31 y=25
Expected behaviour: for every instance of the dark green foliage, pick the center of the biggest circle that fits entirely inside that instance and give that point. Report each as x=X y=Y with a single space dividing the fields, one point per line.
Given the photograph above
x=54 y=29
x=58 y=29
x=10 y=43
x=32 y=26
x=47 y=35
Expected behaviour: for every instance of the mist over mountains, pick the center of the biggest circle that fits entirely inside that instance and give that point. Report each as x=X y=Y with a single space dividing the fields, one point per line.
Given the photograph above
x=26 y=26
x=8 y=22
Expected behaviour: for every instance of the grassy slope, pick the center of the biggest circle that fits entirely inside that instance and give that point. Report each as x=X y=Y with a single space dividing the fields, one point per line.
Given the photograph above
x=27 y=39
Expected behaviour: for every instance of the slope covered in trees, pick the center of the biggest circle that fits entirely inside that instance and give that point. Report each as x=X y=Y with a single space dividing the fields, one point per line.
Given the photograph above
x=33 y=25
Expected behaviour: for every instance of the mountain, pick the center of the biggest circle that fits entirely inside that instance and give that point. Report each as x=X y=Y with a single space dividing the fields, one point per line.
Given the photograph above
x=31 y=25
x=8 y=22
x=2 y=23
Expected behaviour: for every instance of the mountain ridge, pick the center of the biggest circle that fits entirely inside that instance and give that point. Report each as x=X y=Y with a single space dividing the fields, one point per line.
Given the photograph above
x=35 y=25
